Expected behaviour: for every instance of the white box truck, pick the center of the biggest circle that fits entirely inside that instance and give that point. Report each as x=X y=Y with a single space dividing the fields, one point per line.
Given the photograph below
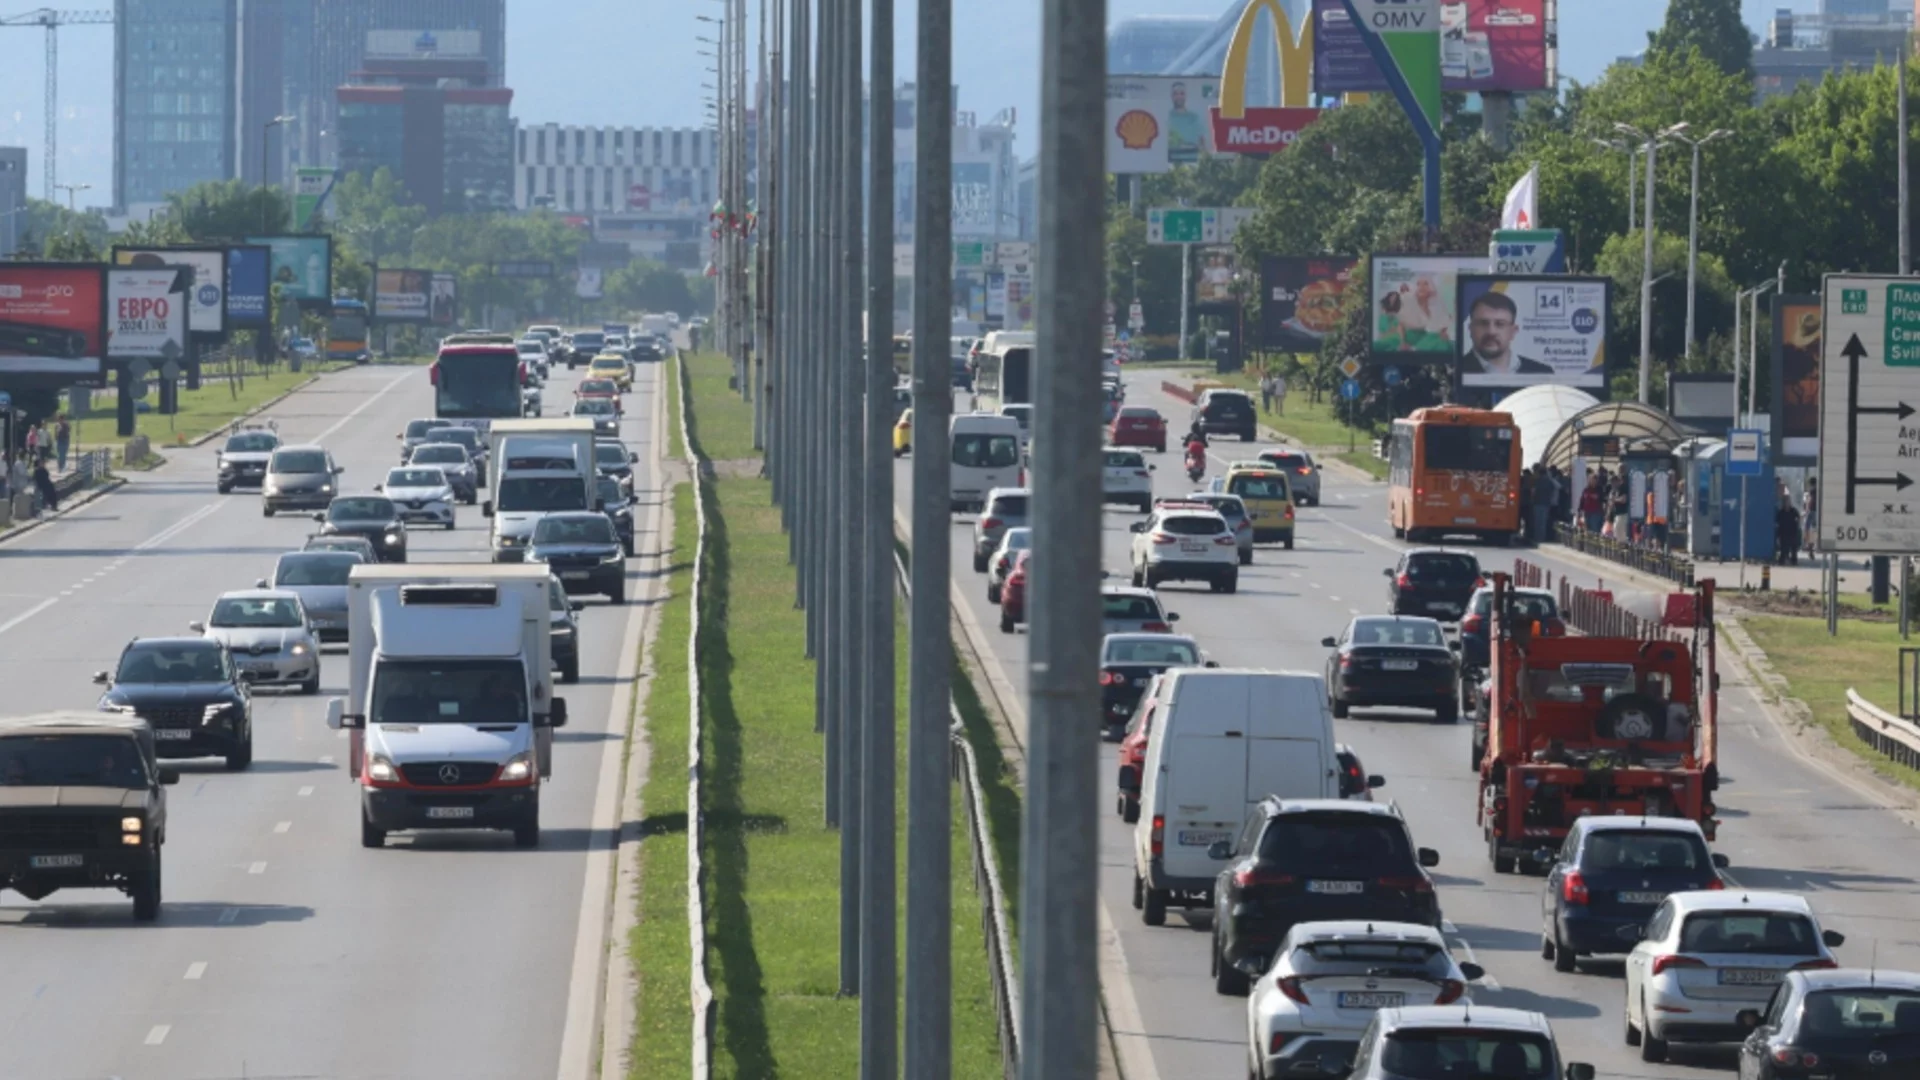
x=535 y=467
x=449 y=698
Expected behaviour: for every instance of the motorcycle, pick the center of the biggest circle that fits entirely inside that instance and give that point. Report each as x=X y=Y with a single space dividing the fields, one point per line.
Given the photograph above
x=1196 y=464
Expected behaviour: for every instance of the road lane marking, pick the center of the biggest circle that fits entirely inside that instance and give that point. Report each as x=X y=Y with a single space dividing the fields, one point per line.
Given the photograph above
x=257 y=868
x=362 y=407
x=158 y=1034
x=28 y=614
x=228 y=915
x=283 y=826
x=326 y=759
x=195 y=970
x=306 y=791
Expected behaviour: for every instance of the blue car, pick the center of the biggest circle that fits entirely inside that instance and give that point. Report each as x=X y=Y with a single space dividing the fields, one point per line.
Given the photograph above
x=1610 y=875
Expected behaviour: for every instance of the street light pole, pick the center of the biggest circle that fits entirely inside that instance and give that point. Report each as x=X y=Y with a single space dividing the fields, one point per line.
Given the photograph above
x=1693 y=221
x=1652 y=143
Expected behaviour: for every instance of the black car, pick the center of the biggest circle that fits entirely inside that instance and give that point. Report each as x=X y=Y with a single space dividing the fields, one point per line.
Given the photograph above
x=373 y=518
x=1523 y=605
x=82 y=807
x=563 y=626
x=1392 y=660
x=615 y=460
x=190 y=692
x=1849 y=1024
x=617 y=503
x=583 y=551
x=1434 y=582
x=583 y=346
x=1311 y=860
x=1128 y=663
x=962 y=372
x=645 y=350
x=1225 y=412
x=1608 y=877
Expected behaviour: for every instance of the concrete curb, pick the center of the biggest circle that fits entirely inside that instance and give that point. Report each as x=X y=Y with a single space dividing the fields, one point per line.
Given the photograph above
x=112 y=485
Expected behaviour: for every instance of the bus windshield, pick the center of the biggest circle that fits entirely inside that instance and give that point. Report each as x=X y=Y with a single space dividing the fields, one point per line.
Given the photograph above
x=477 y=385
x=1467 y=449
x=347 y=326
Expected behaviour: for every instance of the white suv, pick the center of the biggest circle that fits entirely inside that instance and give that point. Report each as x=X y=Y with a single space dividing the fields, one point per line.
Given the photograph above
x=1127 y=478
x=1186 y=542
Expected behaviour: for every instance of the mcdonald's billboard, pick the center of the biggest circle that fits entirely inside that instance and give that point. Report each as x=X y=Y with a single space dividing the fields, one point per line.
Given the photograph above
x=1484 y=45
x=1263 y=129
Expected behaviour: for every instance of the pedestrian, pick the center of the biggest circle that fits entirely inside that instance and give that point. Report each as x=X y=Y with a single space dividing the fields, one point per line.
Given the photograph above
x=1546 y=493
x=33 y=442
x=1593 y=502
x=43 y=483
x=62 y=438
x=1617 y=507
x=1526 y=504
x=1279 y=394
x=1786 y=533
x=1810 y=515
x=1562 y=496
x=1266 y=391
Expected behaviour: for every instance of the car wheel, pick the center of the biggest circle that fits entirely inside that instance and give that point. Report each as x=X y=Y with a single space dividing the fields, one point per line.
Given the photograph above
x=1447 y=713
x=1651 y=1049
x=265 y=510
x=1631 y=1034
x=1246 y=436
x=1230 y=583
x=979 y=563
x=1139 y=892
x=1477 y=752
x=371 y=835
x=1154 y=911
x=1563 y=958
x=1131 y=812
x=1246 y=558
x=527 y=833
x=626 y=545
x=570 y=671
x=618 y=594
x=242 y=755
x=1149 y=579
x=1340 y=709
x=145 y=890
x=1289 y=542
x=1546 y=947
x=1139 y=578
x=993 y=594
x=1502 y=864
x=1006 y=621
x=1228 y=980
x=311 y=686
x=223 y=488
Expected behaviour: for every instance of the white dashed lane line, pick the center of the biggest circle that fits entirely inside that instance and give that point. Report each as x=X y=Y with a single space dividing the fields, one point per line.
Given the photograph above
x=158 y=1034
x=283 y=826
x=257 y=868
x=195 y=970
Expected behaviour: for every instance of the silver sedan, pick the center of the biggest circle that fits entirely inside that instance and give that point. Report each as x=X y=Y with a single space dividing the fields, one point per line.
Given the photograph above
x=267 y=632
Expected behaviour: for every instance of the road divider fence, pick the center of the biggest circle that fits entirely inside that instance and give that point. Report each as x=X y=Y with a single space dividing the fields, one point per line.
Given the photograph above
x=1896 y=737
x=701 y=989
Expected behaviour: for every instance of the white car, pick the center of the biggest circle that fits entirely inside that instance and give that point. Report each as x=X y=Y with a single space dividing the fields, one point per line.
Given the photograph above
x=421 y=494
x=1327 y=981
x=1127 y=478
x=1712 y=954
x=1126 y=610
x=1186 y=542
x=1012 y=542
x=269 y=635
x=1460 y=1040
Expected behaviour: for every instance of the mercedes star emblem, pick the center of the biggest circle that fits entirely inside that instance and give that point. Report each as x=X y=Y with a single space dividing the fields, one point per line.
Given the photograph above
x=1878 y=1057
x=449 y=774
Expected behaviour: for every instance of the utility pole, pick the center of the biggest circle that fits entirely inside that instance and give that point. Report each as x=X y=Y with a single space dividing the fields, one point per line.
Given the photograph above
x=1652 y=143
x=827 y=166
x=1906 y=260
x=1693 y=221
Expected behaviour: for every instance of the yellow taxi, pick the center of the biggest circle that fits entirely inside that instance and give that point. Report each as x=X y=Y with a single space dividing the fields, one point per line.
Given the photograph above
x=1268 y=495
x=903 y=434
x=612 y=366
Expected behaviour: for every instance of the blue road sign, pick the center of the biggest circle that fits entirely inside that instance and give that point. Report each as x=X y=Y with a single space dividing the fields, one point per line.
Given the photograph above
x=1391 y=373
x=1746 y=451
x=1124 y=335
x=6 y=400
x=1350 y=389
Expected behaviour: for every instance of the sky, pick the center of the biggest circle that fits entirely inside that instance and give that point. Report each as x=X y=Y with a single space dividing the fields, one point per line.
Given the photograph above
x=635 y=63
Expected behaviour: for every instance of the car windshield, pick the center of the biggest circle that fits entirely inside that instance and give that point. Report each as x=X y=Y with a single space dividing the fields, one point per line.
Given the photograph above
x=1146 y=651
x=1255 y=486
x=1135 y=412
x=449 y=692
x=597 y=386
x=260 y=611
x=352 y=545
x=1228 y=405
x=300 y=461
x=1130 y=608
x=459 y=436
x=253 y=442
x=608 y=489
x=1863 y=1012
x=1230 y=509
x=1022 y=413
x=583 y=340
x=976 y=451
x=593 y=407
x=1018 y=538
x=1525 y=605
x=419 y=428
x=1471 y=1054
x=610 y=453
x=530 y=348
x=605 y=363
x=1443 y=567
x=573 y=530
x=71 y=760
x=315 y=570
x=1193 y=525
x=1642 y=850
x=524 y=493
x=444 y=454
x=1462 y=448
x=1283 y=459
x=1008 y=506
x=172 y=664
x=1770 y=933
x=416 y=478
x=1396 y=632
x=360 y=508
x=1364 y=957
x=1337 y=846
x=1124 y=459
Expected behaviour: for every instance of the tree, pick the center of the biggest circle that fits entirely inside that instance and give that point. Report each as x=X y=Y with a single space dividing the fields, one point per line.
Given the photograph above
x=1621 y=260
x=229 y=210
x=1714 y=27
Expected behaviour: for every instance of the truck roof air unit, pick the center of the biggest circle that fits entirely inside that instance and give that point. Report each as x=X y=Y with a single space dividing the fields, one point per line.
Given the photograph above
x=449 y=596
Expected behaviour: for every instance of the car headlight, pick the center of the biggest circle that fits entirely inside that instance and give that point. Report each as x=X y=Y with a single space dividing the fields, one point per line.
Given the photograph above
x=298 y=649
x=518 y=767
x=381 y=768
x=512 y=541
x=213 y=710
x=131 y=824
x=392 y=539
x=325 y=488
x=613 y=558
x=116 y=707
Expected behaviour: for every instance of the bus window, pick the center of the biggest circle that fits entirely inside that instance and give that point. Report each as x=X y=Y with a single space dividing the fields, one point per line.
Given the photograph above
x=1467 y=449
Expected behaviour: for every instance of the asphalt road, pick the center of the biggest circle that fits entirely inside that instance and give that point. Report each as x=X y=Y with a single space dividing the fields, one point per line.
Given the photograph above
x=1789 y=822
x=284 y=948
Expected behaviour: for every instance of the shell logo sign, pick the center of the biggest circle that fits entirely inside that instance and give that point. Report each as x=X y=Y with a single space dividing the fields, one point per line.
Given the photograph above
x=1137 y=129
x=1238 y=129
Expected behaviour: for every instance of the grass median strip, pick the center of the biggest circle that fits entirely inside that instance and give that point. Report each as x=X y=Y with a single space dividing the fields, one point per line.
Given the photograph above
x=1820 y=670
x=215 y=405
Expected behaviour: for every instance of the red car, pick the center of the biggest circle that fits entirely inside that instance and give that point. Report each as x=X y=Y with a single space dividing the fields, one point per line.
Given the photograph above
x=1013 y=595
x=1137 y=425
x=600 y=388
x=1133 y=757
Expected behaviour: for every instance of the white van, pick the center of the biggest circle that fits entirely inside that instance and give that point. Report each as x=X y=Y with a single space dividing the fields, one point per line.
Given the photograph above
x=1220 y=741
x=985 y=454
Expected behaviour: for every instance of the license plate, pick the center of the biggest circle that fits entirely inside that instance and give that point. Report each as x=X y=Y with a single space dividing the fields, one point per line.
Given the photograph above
x=1748 y=977
x=1201 y=837
x=1361 y=999
x=1439 y=607
x=1466 y=521
x=1192 y=547
x=573 y=575
x=257 y=665
x=56 y=862
x=448 y=812
x=1642 y=897
x=1337 y=888
x=1400 y=665
x=172 y=734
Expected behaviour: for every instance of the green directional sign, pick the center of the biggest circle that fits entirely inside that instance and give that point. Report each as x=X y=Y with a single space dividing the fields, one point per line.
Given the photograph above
x=1903 y=325
x=1179 y=225
x=969 y=253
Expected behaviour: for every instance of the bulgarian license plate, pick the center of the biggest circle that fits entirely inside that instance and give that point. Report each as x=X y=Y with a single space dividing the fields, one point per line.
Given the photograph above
x=574 y=575
x=1439 y=605
x=449 y=812
x=172 y=734
x=1193 y=547
x=1337 y=888
x=56 y=862
x=1748 y=977
x=1400 y=665
x=1642 y=897
x=1466 y=521
x=1363 y=999
x=1202 y=837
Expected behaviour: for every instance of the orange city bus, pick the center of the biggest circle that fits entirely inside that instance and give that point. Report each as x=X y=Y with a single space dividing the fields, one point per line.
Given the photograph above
x=1455 y=471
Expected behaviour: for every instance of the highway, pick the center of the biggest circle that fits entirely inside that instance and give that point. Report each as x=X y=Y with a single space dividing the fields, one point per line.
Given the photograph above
x=284 y=948
x=1788 y=822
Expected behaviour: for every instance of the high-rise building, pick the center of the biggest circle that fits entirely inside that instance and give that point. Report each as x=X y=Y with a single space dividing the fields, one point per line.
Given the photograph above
x=651 y=189
x=175 y=68
x=1147 y=44
x=1844 y=35
x=13 y=197
x=422 y=106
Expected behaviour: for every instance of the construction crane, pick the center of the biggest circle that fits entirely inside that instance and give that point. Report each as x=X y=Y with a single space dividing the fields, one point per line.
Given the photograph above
x=53 y=20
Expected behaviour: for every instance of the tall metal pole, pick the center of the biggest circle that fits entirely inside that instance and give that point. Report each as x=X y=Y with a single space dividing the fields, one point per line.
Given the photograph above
x=1737 y=319
x=1693 y=240
x=1060 y=829
x=799 y=319
x=828 y=163
x=849 y=253
x=1186 y=268
x=748 y=346
x=760 y=242
x=1633 y=187
x=1906 y=260
x=1646 y=278
x=929 y=937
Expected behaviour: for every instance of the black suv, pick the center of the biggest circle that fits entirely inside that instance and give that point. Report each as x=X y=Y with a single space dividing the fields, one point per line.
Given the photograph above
x=582 y=549
x=1434 y=582
x=81 y=807
x=1310 y=860
x=372 y=518
x=189 y=691
x=1225 y=412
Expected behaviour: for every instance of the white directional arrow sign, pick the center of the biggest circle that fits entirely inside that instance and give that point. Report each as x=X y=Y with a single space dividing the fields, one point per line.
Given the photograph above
x=1869 y=444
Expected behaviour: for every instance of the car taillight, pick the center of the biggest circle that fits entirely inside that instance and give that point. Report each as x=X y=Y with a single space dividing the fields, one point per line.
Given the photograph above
x=1403 y=582
x=1480 y=582
x=1226 y=540
x=1160 y=537
x=1243 y=525
x=1247 y=876
x=1288 y=513
x=1821 y=964
x=1302 y=470
x=1023 y=476
x=1108 y=678
x=433 y=375
x=1793 y=1055
x=1573 y=888
x=1419 y=491
x=1155 y=628
x=1158 y=841
x=1140 y=472
x=1018 y=577
x=1450 y=991
x=1290 y=986
x=1407 y=884
x=990 y=523
x=1471 y=624
x=1662 y=963
x=523 y=373
x=1716 y=883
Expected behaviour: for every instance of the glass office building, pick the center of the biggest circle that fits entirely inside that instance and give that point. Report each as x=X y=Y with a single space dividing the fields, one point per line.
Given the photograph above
x=174 y=92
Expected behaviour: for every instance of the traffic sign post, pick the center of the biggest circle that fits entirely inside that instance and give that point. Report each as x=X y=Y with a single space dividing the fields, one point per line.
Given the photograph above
x=1350 y=368
x=1350 y=390
x=1746 y=459
x=1869 y=376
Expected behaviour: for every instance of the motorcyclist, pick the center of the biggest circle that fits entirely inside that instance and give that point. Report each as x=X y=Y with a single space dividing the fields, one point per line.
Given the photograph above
x=1196 y=454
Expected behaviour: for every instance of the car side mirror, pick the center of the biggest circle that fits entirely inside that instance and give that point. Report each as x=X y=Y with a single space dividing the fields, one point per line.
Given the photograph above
x=248 y=677
x=1721 y=862
x=1138 y=526
x=1472 y=972
x=1220 y=849
x=320 y=515
x=102 y=678
x=197 y=626
x=379 y=487
x=336 y=709
x=1328 y=643
x=1388 y=572
x=486 y=508
x=1376 y=781
x=1429 y=858
x=338 y=469
x=557 y=713
x=400 y=435
x=1580 y=1070
x=632 y=457
x=1832 y=939
x=577 y=605
x=168 y=777
x=259 y=583
x=1746 y=1020
x=1173 y=616
x=1211 y=664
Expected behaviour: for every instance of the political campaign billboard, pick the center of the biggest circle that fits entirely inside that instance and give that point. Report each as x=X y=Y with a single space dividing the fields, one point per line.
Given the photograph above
x=249 y=285
x=1797 y=334
x=1525 y=331
x=402 y=295
x=146 y=313
x=444 y=303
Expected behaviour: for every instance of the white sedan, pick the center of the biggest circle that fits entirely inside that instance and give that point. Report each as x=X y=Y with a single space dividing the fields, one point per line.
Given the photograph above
x=1127 y=478
x=420 y=494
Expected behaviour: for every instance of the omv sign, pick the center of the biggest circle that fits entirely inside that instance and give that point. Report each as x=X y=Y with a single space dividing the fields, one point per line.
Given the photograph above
x=1388 y=16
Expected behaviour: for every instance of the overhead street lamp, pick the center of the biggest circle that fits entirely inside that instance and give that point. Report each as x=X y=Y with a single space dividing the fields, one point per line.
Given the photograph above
x=1651 y=140
x=1693 y=217
x=72 y=190
x=1633 y=176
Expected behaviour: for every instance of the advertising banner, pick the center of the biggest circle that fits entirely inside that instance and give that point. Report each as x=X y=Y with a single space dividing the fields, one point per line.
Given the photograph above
x=146 y=315
x=1797 y=333
x=1484 y=45
x=53 y=318
x=523 y=268
x=206 y=297
x=1213 y=280
x=1528 y=251
x=973 y=203
x=249 y=285
x=401 y=295
x=302 y=266
x=1155 y=122
x=446 y=297
x=1523 y=331
x=1300 y=299
x=1413 y=305
x=586 y=284
x=311 y=186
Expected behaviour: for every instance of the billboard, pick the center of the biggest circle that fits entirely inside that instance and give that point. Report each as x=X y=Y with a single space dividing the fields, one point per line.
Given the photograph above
x=146 y=313
x=401 y=295
x=311 y=186
x=1484 y=45
x=973 y=203
x=441 y=308
x=1797 y=333
x=1238 y=128
x=249 y=285
x=1213 y=278
x=1300 y=299
x=206 y=296
x=423 y=44
x=53 y=318
x=586 y=283
x=1413 y=304
x=1522 y=331
x=1155 y=122
x=302 y=266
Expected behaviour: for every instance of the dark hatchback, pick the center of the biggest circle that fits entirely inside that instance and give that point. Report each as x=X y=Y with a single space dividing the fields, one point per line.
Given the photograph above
x=372 y=518
x=1311 y=860
x=1525 y=605
x=1128 y=663
x=1847 y=1024
x=1609 y=876
x=1225 y=412
x=189 y=691
x=1392 y=660
x=581 y=548
x=645 y=350
x=615 y=460
x=1434 y=582
x=617 y=503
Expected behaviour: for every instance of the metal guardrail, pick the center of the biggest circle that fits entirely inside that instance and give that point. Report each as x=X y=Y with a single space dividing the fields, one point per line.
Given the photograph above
x=1660 y=562
x=1897 y=739
x=701 y=990
x=1593 y=613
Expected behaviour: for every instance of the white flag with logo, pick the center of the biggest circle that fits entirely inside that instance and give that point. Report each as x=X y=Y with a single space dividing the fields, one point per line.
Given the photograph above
x=1521 y=210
